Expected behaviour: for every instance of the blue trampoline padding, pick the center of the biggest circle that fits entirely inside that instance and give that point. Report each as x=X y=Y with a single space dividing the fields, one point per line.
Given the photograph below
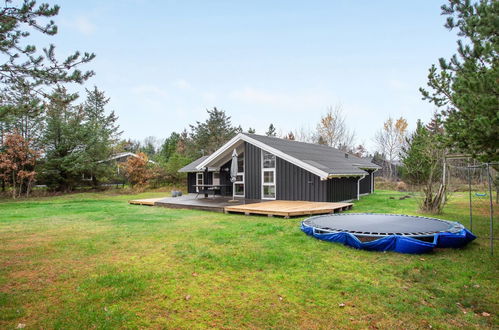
x=397 y=243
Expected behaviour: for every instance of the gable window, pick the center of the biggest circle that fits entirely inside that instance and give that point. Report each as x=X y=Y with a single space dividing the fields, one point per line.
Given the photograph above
x=268 y=175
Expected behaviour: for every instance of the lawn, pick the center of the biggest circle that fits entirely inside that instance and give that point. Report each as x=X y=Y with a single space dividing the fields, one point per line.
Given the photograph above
x=91 y=260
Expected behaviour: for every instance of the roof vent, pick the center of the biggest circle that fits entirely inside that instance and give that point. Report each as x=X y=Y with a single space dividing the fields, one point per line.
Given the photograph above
x=346 y=155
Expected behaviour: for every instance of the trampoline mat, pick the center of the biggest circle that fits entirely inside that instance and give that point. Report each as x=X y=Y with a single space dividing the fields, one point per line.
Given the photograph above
x=381 y=224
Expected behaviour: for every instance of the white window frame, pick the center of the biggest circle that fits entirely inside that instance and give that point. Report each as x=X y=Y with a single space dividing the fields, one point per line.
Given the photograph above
x=240 y=181
x=197 y=179
x=273 y=170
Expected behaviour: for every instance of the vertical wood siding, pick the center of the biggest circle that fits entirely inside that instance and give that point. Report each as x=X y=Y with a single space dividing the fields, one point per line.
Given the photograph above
x=295 y=183
x=253 y=171
x=191 y=181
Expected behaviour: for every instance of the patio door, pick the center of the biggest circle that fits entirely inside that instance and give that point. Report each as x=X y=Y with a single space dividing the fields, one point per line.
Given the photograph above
x=238 y=186
x=199 y=179
x=216 y=178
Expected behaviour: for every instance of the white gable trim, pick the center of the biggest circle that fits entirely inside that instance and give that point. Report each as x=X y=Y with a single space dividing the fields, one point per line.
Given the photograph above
x=312 y=169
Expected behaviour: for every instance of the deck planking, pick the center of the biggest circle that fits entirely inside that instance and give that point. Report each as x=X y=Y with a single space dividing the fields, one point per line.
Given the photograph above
x=147 y=201
x=283 y=208
x=288 y=208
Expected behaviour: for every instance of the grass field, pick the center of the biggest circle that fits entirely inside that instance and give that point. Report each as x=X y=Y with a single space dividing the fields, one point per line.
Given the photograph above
x=93 y=261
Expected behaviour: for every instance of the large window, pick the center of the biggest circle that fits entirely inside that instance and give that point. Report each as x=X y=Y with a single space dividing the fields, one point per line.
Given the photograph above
x=239 y=184
x=268 y=175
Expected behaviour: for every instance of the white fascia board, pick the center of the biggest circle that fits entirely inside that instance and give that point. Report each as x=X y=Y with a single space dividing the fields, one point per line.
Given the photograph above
x=221 y=150
x=286 y=157
x=323 y=175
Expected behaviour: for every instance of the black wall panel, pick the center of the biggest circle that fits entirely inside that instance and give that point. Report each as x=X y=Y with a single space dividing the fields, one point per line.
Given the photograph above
x=295 y=183
x=342 y=189
x=253 y=171
x=191 y=181
x=365 y=184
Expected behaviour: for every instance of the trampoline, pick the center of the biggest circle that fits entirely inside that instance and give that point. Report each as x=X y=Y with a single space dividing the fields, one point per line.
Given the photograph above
x=388 y=232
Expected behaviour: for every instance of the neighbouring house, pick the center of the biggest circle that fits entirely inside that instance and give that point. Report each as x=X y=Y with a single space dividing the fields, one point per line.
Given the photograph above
x=115 y=159
x=273 y=168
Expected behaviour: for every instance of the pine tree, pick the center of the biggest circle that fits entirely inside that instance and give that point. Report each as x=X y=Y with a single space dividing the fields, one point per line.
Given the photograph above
x=251 y=130
x=23 y=64
x=64 y=142
x=169 y=147
x=465 y=87
x=422 y=158
x=208 y=136
x=101 y=134
x=271 y=131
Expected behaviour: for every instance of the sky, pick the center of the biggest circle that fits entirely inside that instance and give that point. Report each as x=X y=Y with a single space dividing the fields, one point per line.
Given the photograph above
x=163 y=63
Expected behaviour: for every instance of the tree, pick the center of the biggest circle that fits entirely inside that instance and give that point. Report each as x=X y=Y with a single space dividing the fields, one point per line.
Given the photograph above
x=390 y=140
x=360 y=151
x=333 y=130
x=465 y=87
x=24 y=65
x=137 y=171
x=17 y=164
x=271 y=131
x=251 y=130
x=169 y=147
x=422 y=158
x=64 y=141
x=23 y=114
x=290 y=136
x=149 y=146
x=101 y=134
x=206 y=137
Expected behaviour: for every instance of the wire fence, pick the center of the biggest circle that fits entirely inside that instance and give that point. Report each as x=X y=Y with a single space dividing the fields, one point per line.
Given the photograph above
x=476 y=182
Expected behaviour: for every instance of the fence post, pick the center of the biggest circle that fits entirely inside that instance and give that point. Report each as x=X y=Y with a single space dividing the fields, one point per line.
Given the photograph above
x=491 y=211
x=469 y=190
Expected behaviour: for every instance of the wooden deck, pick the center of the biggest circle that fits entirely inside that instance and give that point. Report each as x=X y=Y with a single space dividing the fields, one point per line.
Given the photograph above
x=148 y=201
x=285 y=209
x=288 y=208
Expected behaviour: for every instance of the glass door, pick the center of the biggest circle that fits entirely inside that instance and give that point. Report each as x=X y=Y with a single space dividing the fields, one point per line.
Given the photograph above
x=199 y=179
x=239 y=183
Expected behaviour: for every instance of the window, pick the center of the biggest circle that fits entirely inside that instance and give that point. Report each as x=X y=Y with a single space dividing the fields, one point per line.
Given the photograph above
x=268 y=175
x=268 y=159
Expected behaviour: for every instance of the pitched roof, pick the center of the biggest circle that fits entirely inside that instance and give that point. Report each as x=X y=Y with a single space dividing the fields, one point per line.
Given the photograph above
x=319 y=159
x=325 y=158
x=192 y=166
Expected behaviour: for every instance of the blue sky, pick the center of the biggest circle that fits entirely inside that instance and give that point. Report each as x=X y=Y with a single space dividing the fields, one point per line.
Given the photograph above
x=164 y=62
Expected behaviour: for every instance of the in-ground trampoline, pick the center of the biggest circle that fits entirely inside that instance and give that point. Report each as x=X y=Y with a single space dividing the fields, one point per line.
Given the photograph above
x=387 y=232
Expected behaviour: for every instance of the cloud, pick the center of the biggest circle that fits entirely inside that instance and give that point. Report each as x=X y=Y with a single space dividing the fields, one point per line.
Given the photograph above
x=398 y=85
x=300 y=99
x=83 y=25
x=181 y=84
x=150 y=90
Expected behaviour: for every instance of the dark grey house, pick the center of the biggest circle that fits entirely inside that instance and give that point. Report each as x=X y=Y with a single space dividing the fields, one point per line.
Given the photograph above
x=274 y=168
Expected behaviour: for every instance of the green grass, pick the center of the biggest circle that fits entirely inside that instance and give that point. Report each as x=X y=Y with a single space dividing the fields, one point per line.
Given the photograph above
x=93 y=261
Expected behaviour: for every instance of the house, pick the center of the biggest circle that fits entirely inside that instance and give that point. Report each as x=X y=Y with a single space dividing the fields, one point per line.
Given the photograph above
x=271 y=168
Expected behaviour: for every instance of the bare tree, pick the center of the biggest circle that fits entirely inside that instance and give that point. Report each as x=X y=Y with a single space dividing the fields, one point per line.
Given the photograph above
x=305 y=134
x=390 y=140
x=333 y=131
